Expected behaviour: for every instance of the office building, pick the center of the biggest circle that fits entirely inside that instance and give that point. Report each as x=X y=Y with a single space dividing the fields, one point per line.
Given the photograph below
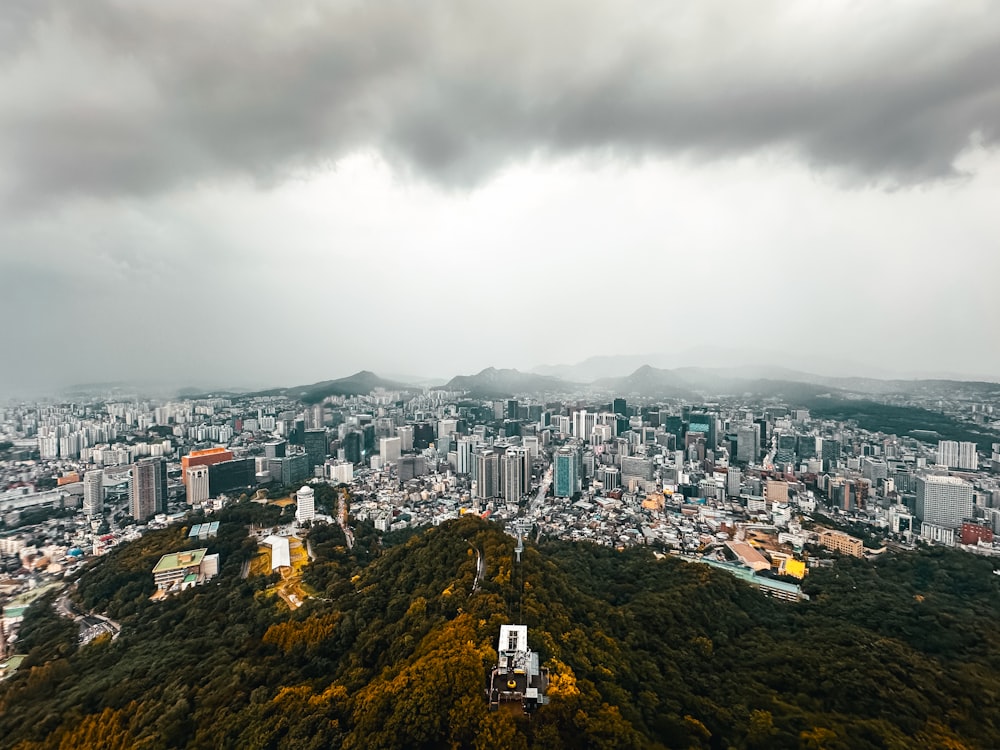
x=635 y=467
x=947 y=453
x=734 y=477
x=197 y=485
x=705 y=424
x=410 y=467
x=390 y=449
x=513 y=464
x=275 y=449
x=238 y=474
x=748 y=443
x=464 y=454
x=583 y=423
x=565 y=473
x=205 y=457
x=609 y=477
x=353 y=446
x=405 y=435
x=317 y=447
x=943 y=501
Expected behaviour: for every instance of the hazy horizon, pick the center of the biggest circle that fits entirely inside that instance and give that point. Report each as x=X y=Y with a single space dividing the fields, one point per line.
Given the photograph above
x=273 y=196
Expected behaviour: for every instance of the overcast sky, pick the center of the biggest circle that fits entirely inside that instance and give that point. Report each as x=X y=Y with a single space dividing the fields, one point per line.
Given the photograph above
x=243 y=193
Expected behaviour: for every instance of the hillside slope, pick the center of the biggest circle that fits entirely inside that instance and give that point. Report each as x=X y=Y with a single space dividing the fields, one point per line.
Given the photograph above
x=395 y=649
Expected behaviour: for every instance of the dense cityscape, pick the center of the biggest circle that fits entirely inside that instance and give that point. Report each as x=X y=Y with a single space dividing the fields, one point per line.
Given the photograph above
x=685 y=431
x=753 y=486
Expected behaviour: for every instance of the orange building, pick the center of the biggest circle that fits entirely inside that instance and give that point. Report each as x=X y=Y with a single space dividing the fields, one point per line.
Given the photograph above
x=205 y=457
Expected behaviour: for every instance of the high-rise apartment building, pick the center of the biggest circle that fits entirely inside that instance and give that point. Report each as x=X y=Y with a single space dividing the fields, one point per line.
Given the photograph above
x=943 y=501
x=487 y=474
x=148 y=488
x=968 y=456
x=513 y=466
x=956 y=455
x=93 y=493
x=947 y=453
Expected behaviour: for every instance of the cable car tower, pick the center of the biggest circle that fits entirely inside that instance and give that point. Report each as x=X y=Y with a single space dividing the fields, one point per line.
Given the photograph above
x=517 y=677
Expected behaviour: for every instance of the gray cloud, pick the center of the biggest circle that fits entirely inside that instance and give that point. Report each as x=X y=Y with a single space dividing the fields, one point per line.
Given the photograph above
x=109 y=98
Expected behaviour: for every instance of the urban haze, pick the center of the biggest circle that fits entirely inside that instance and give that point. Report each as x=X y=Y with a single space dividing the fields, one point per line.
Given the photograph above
x=499 y=375
x=262 y=196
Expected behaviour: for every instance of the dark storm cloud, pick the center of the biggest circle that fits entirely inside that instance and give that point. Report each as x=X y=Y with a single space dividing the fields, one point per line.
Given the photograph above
x=112 y=98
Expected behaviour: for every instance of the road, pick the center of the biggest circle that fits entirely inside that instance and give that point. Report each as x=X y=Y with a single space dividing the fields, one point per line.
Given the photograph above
x=480 y=569
x=342 y=519
x=91 y=624
x=543 y=488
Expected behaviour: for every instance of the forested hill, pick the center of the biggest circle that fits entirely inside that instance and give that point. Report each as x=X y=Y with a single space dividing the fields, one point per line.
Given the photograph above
x=394 y=651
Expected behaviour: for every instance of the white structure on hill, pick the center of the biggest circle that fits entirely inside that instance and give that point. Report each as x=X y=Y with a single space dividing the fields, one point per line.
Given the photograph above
x=306 y=505
x=280 y=553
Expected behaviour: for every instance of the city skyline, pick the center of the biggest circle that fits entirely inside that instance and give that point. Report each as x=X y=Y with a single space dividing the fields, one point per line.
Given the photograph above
x=432 y=195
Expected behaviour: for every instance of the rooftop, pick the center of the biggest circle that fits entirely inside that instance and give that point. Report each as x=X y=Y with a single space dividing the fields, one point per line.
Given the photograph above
x=939 y=479
x=178 y=560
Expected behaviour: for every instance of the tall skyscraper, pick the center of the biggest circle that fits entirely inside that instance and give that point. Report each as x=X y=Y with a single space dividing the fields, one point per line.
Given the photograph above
x=956 y=455
x=512 y=475
x=487 y=475
x=968 y=456
x=148 y=488
x=706 y=424
x=944 y=501
x=317 y=446
x=93 y=493
x=734 y=478
x=748 y=443
x=405 y=435
x=947 y=453
x=464 y=454
x=583 y=423
x=565 y=475
x=390 y=449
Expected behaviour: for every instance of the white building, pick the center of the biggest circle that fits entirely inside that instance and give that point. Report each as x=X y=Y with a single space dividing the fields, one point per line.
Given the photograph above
x=93 y=493
x=340 y=472
x=281 y=555
x=944 y=501
x=197 y=485
x=390 y=449
x=306 y=505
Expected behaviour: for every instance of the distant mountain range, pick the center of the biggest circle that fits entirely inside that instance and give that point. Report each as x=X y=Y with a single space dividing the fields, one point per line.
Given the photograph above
x=689 y=383
x=360 y=383
x=494 y=383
